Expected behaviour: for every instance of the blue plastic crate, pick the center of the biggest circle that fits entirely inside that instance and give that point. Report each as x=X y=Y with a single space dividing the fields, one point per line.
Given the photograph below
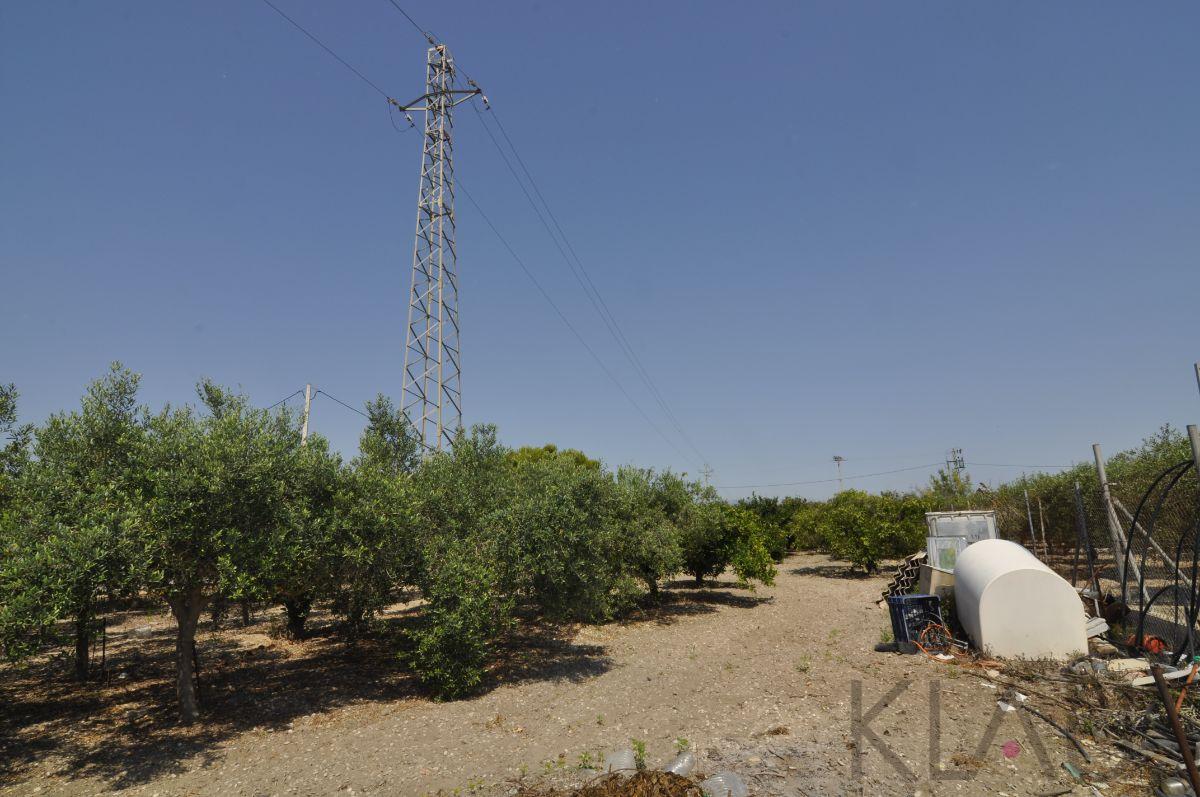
x=910 y=614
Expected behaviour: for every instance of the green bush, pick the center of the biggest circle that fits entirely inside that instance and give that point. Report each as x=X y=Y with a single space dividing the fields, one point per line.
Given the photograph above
x=714 y=535
x=464 y=613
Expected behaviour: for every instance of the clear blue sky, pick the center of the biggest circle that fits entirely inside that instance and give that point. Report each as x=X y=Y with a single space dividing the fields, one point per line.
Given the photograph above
x=870 y=229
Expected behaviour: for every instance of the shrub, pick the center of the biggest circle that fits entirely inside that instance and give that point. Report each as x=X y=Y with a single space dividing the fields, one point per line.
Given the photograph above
x=714 y=535
x=464 y=613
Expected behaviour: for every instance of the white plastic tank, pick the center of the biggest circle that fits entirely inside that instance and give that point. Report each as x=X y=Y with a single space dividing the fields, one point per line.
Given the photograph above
x=1015 y=606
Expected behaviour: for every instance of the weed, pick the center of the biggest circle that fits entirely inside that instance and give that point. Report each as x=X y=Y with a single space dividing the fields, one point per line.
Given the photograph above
x=682 y=744
x=599 y=719
x=586 y=761
x=639 y=753
x=885 y=636
x=803 y=664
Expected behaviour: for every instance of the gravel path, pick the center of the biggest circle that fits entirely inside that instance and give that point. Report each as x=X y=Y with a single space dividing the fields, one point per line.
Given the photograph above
x=760 y=683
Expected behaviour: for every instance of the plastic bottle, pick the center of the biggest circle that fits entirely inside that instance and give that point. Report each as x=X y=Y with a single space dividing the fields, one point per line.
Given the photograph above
x=682 y=764
x=619 y=760
x=725 y=784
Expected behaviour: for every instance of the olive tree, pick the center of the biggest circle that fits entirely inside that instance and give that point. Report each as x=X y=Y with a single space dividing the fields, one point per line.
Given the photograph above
x=373 y=546
x=213 y=499
x=68 y=509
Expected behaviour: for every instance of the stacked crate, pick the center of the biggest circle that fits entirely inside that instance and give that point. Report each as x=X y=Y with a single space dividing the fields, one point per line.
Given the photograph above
x=906 y=576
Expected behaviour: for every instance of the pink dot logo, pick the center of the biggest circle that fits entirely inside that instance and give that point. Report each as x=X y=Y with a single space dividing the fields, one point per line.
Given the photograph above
x=1011 y=748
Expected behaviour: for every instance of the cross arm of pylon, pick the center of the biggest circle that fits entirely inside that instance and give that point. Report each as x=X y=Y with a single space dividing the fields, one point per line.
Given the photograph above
x=413 y=106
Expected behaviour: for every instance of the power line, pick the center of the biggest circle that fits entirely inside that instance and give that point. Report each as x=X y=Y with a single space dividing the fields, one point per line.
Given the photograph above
x=327 y=49
x=579 y=271
x=285 y=398
x=577 y=268
x=565 y=320
x=428 y=36
x=827 y=481
x=344 y=404
x=997 y=465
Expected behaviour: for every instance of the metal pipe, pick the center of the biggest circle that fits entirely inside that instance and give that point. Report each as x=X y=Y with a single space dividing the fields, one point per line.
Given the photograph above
x=1114 y=527
x=1185 y=749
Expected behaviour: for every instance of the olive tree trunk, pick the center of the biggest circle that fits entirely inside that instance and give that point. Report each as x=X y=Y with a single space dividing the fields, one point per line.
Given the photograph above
x=82 y=647
x=186 y=608
x=297 y=613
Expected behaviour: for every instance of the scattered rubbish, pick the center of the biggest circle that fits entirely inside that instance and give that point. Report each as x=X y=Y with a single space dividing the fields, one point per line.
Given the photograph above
x=1127 y=665
x=1185 y=747
x=906 y=577
x=950 y=533
x=1096 y=626
x=935 y=581
x=1005 y=706
x=1072 y=770
x=1146 y=680
x=1013 y=605
x=910 y=615
x=1067 y=734
x=682 y=764
x=620 y=760
x=1173 y=787
x=725 y=784
x=1187 y=683
x=1089 y=667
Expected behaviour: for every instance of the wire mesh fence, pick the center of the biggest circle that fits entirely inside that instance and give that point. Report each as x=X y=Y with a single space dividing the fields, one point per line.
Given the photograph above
x=1133 y=550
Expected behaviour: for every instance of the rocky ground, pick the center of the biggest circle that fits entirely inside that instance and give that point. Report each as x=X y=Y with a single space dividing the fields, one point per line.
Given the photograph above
x=767 y=684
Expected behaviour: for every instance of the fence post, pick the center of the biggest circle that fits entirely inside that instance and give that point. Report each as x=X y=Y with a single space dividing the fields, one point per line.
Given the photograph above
x=1194 y=436
x=1114 y=527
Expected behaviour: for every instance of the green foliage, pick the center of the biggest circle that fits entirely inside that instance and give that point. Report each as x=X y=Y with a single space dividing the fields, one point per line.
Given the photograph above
x=530 y=454
x=647 y=537
x=203 y=505
x=776 y=516
x=714 y=535
x=559 y=531
x=372 y=549
x=863 y=528
x=68 y=508
x=465 y=611
x=639 y=753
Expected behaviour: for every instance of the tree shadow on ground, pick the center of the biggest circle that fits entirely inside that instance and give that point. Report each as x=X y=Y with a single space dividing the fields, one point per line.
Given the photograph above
x=842 y=571
x=126 y=732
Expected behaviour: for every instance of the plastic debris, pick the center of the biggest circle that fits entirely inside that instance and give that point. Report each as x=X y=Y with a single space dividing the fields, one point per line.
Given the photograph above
x=725 y=784
x=620 y=760
x=682 y=764
x=1004 y=706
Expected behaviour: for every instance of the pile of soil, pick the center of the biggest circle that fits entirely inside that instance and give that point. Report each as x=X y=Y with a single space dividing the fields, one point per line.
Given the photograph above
x=641 y=784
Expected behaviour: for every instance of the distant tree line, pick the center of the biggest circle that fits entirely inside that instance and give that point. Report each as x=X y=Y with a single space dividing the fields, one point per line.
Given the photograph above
x=199 y=507
x=865 y=529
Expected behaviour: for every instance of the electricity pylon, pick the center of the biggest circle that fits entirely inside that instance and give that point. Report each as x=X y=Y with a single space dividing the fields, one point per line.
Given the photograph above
x=431 y=390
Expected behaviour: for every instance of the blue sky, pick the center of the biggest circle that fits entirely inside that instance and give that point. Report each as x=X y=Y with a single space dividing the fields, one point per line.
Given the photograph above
x=870 y=229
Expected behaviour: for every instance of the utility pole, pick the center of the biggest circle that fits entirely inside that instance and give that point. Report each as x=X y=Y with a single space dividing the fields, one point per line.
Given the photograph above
x=839 y=460
x=955 y=461
x=431 y=387
x=1198 y=375
x=707 y=471
x=307 y=408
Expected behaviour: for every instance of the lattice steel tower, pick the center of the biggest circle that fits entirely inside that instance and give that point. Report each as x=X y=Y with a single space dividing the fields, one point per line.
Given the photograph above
x=431 y=391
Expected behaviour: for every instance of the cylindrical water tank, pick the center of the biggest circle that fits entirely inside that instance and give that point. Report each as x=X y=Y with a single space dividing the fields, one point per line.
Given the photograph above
x=1013 y=605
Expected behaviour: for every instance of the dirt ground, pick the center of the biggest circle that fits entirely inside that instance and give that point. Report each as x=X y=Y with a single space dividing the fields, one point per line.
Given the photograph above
x=761 y=683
